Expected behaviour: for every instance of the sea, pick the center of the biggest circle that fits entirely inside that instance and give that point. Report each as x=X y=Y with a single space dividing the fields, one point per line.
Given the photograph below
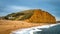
x=45 y=29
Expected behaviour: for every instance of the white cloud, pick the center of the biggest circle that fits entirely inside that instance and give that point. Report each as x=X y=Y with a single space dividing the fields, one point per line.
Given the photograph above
x=20 y=8
x=58 y=19
x=17 y=8
x=11 y=9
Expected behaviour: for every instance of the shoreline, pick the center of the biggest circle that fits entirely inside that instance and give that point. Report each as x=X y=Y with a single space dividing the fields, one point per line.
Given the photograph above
x=32 y=29
x=7 y=26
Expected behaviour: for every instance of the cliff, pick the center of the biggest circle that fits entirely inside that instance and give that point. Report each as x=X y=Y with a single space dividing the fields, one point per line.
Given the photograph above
x=35 y=15
x=40 y=16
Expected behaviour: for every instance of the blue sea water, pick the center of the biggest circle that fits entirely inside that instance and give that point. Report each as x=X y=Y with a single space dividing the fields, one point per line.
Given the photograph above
x=45 y=29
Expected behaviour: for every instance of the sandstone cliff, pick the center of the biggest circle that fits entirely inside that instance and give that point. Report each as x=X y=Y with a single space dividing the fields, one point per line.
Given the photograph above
x=33 y=18
x=35 y=15
x=40 y=16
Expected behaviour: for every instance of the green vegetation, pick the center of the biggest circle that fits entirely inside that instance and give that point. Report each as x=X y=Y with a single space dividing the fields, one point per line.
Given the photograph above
x=27 y=16
x=20 y=15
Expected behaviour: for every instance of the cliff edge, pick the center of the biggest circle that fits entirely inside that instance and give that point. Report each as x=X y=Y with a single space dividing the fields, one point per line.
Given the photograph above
x=35 y=16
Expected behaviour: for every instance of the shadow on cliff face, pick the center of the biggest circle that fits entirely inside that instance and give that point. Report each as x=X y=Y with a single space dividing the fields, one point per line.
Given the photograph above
x=51 y=30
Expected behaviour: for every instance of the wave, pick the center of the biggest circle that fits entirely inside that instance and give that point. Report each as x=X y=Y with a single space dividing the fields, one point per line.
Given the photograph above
x=45 y=29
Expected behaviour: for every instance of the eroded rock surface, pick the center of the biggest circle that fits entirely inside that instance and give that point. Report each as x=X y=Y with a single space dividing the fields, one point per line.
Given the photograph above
x=40 y=16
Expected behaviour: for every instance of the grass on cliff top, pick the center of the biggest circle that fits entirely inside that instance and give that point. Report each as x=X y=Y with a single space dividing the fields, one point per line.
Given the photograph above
x=20 y=15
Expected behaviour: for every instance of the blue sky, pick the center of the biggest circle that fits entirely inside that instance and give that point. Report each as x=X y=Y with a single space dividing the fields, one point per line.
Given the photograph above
x=10 y=6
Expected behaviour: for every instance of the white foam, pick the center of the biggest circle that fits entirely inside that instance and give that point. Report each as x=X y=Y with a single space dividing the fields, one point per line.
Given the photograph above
x=32 y=29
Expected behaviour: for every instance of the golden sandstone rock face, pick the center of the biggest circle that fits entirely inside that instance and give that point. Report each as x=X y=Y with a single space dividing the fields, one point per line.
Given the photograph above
x=40 y=16
x=33 y=16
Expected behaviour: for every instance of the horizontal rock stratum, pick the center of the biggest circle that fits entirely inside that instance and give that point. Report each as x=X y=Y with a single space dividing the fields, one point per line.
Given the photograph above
x=34 y=15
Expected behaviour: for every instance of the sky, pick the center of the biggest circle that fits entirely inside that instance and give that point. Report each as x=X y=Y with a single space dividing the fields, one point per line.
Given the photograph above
x=11 y=6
